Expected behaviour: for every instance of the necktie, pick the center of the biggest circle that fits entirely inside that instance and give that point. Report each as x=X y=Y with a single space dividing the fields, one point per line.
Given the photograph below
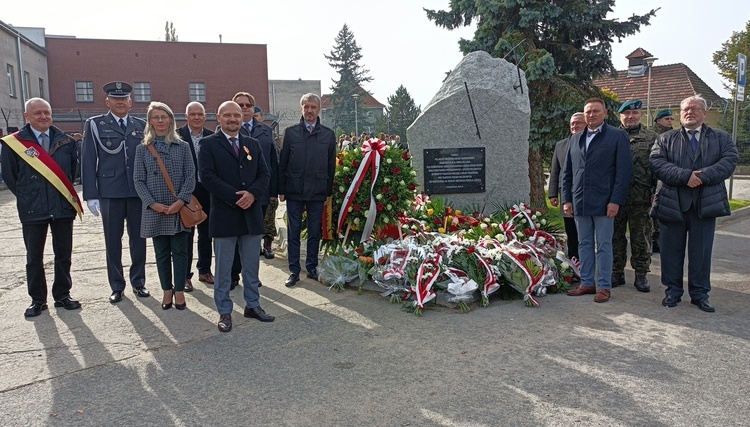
x=44 y=141
x=122 y=125
x=693 y=140
x=236 y=146
x=248 y=129
x=592 y=132
x=311 y=128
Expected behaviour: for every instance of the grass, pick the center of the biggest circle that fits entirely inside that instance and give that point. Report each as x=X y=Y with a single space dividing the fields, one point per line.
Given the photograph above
x=735 y=204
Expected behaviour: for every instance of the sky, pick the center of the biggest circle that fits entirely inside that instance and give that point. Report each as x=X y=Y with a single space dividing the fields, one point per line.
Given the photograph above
x=400 y=46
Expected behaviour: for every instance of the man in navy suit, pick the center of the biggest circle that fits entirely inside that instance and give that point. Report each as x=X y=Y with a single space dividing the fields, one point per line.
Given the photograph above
x=192 y=133
x=233 y=170
x=107 y=160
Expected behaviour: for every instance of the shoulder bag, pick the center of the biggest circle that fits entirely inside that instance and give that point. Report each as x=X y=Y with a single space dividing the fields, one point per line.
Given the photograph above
x=191 y=213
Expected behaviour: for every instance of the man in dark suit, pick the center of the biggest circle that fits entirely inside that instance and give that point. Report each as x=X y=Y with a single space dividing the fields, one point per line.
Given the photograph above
x=306 y=169
x=192 y=133
x=596 y=178
x=38 y=166
x=691 y=164
x=107 y=176
x=233 y=170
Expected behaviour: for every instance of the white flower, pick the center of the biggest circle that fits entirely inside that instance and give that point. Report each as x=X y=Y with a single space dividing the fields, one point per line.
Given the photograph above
x=389 y=161
x=356 y=220
x=402 y=182
x=350 y=209
x=341 y=188
x=487 y=220
x=565 y=266
x=537 y=224
x=538 y=213
x=533 y=217
x=379 y=197
x=544 y=221
x=519 y=234
x=386 y=180
x=386 y=220
x=494 y=225
x=345 y=169
x=413 y=173
x=523 y=221
x=483 y=226
x=389 y=207
x=500 y=237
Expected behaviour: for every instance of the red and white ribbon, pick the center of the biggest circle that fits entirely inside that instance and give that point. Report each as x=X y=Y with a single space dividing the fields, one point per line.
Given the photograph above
x=423 y=292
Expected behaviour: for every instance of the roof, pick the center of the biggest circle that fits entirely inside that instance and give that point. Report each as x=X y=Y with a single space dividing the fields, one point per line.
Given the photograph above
x=368 y=101
x=670 y=84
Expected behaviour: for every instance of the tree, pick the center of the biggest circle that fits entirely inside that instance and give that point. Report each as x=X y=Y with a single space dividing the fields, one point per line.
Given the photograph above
x=561 y=46
x=170 y=34
x=726 y=60
x=344 y=58
x=401 y=112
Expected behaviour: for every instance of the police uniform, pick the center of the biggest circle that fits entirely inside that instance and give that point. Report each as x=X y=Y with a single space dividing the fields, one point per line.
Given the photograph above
x=108 y=155
x=635 y=213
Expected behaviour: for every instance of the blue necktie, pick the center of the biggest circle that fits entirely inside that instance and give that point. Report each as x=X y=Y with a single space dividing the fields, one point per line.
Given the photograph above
x=248 y=129
x=693 y=141
x=122 y=125
x=44 y=141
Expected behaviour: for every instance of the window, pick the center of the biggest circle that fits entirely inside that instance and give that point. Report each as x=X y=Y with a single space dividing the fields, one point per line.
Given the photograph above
x=84 y=91
x=142 y=92
x=197 y=92
x=41 y=88
x=11 y=81
x=26 y=85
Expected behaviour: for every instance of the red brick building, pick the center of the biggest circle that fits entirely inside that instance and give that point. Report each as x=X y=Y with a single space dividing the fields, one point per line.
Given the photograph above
x=171 y=72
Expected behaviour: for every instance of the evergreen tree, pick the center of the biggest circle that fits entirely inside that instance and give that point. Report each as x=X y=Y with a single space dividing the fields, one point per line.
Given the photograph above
x=401 y=112
x=561 y=45
x=344 y=58
x=170 y=34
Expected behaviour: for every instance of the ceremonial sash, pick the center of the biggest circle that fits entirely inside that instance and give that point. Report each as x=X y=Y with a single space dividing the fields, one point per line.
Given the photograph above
x=43 y=163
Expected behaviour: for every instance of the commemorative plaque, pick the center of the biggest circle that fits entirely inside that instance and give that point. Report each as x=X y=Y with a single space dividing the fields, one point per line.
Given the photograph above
x=454 y=170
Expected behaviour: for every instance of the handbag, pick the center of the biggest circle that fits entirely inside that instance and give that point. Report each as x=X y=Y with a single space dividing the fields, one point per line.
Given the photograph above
x=191 y=213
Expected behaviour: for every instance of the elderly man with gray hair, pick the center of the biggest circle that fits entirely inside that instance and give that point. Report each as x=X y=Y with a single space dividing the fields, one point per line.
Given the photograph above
x=306 y=169
x=691 y=164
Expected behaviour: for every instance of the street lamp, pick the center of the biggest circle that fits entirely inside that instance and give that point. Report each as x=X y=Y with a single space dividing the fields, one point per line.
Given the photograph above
x=649 y=63
x=356 y=120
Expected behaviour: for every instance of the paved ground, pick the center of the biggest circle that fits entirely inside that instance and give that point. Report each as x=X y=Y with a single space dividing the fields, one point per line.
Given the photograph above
x=343 y=359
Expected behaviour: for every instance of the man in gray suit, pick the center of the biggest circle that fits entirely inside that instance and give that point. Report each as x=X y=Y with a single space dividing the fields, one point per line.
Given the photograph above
x=107 y=160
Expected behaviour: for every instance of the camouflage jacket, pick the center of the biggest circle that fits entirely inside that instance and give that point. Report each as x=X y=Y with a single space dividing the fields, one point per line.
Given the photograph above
x=643 y=183
x=659 y=129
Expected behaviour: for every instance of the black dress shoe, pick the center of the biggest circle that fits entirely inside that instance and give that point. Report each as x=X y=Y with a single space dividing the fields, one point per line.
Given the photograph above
x=312 y=274
x=234 y=284
x=35 y=309
x=292 y=280
x=268 y=254
x=703 y=304
x=260 y=284
x=225 y=322
x=115 y=297
x=670 y=301
x=258 y=313
x=142 y=292
x=68 y=304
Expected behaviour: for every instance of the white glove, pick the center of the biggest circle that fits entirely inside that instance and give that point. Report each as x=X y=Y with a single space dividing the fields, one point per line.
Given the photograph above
x=93 y=206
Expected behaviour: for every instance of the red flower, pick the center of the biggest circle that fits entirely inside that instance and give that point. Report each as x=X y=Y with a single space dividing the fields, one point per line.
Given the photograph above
x=356 y=207
x=405 y=155
x=359 y=250
x=347 y=180
x=394 y=198
x=475 y=214
x=528 y=232
x=470 y=249
x=437 y=221
x=412 y=187
x=380 y=206
x=385 y=190
x=355 y=163
x=396 y=170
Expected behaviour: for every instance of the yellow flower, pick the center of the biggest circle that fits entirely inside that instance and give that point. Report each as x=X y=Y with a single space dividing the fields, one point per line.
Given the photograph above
x=441 y=230
x=430 y=211
x=458 y=212
x=427 y=228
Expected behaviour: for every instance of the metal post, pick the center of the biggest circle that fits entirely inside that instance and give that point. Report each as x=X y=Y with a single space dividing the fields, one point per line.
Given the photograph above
x=649 y=63
x=356 y=119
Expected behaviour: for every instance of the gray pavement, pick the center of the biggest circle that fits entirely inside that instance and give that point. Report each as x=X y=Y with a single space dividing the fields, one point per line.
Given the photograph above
x=343 y=359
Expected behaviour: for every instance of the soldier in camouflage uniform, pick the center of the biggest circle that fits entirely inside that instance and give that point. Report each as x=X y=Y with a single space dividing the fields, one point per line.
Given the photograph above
x=662 y=123
x=635 y=213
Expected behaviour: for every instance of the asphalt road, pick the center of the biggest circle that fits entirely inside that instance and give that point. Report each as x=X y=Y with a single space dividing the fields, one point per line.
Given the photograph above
x=343 y=359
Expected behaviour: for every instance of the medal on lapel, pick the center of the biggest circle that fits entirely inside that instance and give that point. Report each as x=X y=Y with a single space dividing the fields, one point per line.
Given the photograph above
x=249 y=157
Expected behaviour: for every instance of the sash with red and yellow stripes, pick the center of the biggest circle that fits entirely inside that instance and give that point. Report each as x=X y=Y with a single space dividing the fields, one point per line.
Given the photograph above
x=43 y=163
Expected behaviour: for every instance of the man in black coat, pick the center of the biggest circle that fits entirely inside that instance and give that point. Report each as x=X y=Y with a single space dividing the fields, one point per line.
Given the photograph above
x=192 y=133
x=306 y=169
x=38 y=165
x=232 y=169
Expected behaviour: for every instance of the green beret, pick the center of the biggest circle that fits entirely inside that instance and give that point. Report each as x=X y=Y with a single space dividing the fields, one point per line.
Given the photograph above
x=663 y=113
x=633 y=104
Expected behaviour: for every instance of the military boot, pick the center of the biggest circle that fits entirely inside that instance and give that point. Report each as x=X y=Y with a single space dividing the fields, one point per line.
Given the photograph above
x=641 y=283
x=267 y=249
x=618 y=279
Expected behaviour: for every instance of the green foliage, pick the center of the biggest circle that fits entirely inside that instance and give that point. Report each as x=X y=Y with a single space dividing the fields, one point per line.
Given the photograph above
x=170 y=34
x=344 y=58
x=401 y=112
x=726 y=60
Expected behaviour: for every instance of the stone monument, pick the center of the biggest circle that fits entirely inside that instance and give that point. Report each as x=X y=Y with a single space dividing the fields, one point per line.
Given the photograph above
x=475 y=166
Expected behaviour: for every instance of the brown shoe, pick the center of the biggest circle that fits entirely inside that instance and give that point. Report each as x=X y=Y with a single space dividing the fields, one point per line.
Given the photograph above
x=602 y=296
x=582 y=290
x=188 y=285
x=206 y=278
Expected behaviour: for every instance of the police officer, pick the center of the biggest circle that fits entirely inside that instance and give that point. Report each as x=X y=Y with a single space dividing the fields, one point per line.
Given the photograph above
x=635 y=213
x=107 y=177
x=662 y=123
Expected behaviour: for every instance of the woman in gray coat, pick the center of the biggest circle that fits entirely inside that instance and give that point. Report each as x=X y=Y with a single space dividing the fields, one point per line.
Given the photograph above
x=161 y=209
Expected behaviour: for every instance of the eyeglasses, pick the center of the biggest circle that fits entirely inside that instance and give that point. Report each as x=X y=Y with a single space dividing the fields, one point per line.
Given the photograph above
x=160 y=118
x=689 y=109
x=245 y=105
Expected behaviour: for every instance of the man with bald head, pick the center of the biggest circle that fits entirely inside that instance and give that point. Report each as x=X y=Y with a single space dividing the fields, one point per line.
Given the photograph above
x=193 y=131
x=233 y=171
x=38 y=165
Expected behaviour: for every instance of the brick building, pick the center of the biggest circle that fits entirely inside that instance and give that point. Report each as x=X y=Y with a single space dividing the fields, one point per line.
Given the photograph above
x=171 y=72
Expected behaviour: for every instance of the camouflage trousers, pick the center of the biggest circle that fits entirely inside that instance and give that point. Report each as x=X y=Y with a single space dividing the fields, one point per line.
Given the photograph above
x=636 y=218
x=269 y=221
